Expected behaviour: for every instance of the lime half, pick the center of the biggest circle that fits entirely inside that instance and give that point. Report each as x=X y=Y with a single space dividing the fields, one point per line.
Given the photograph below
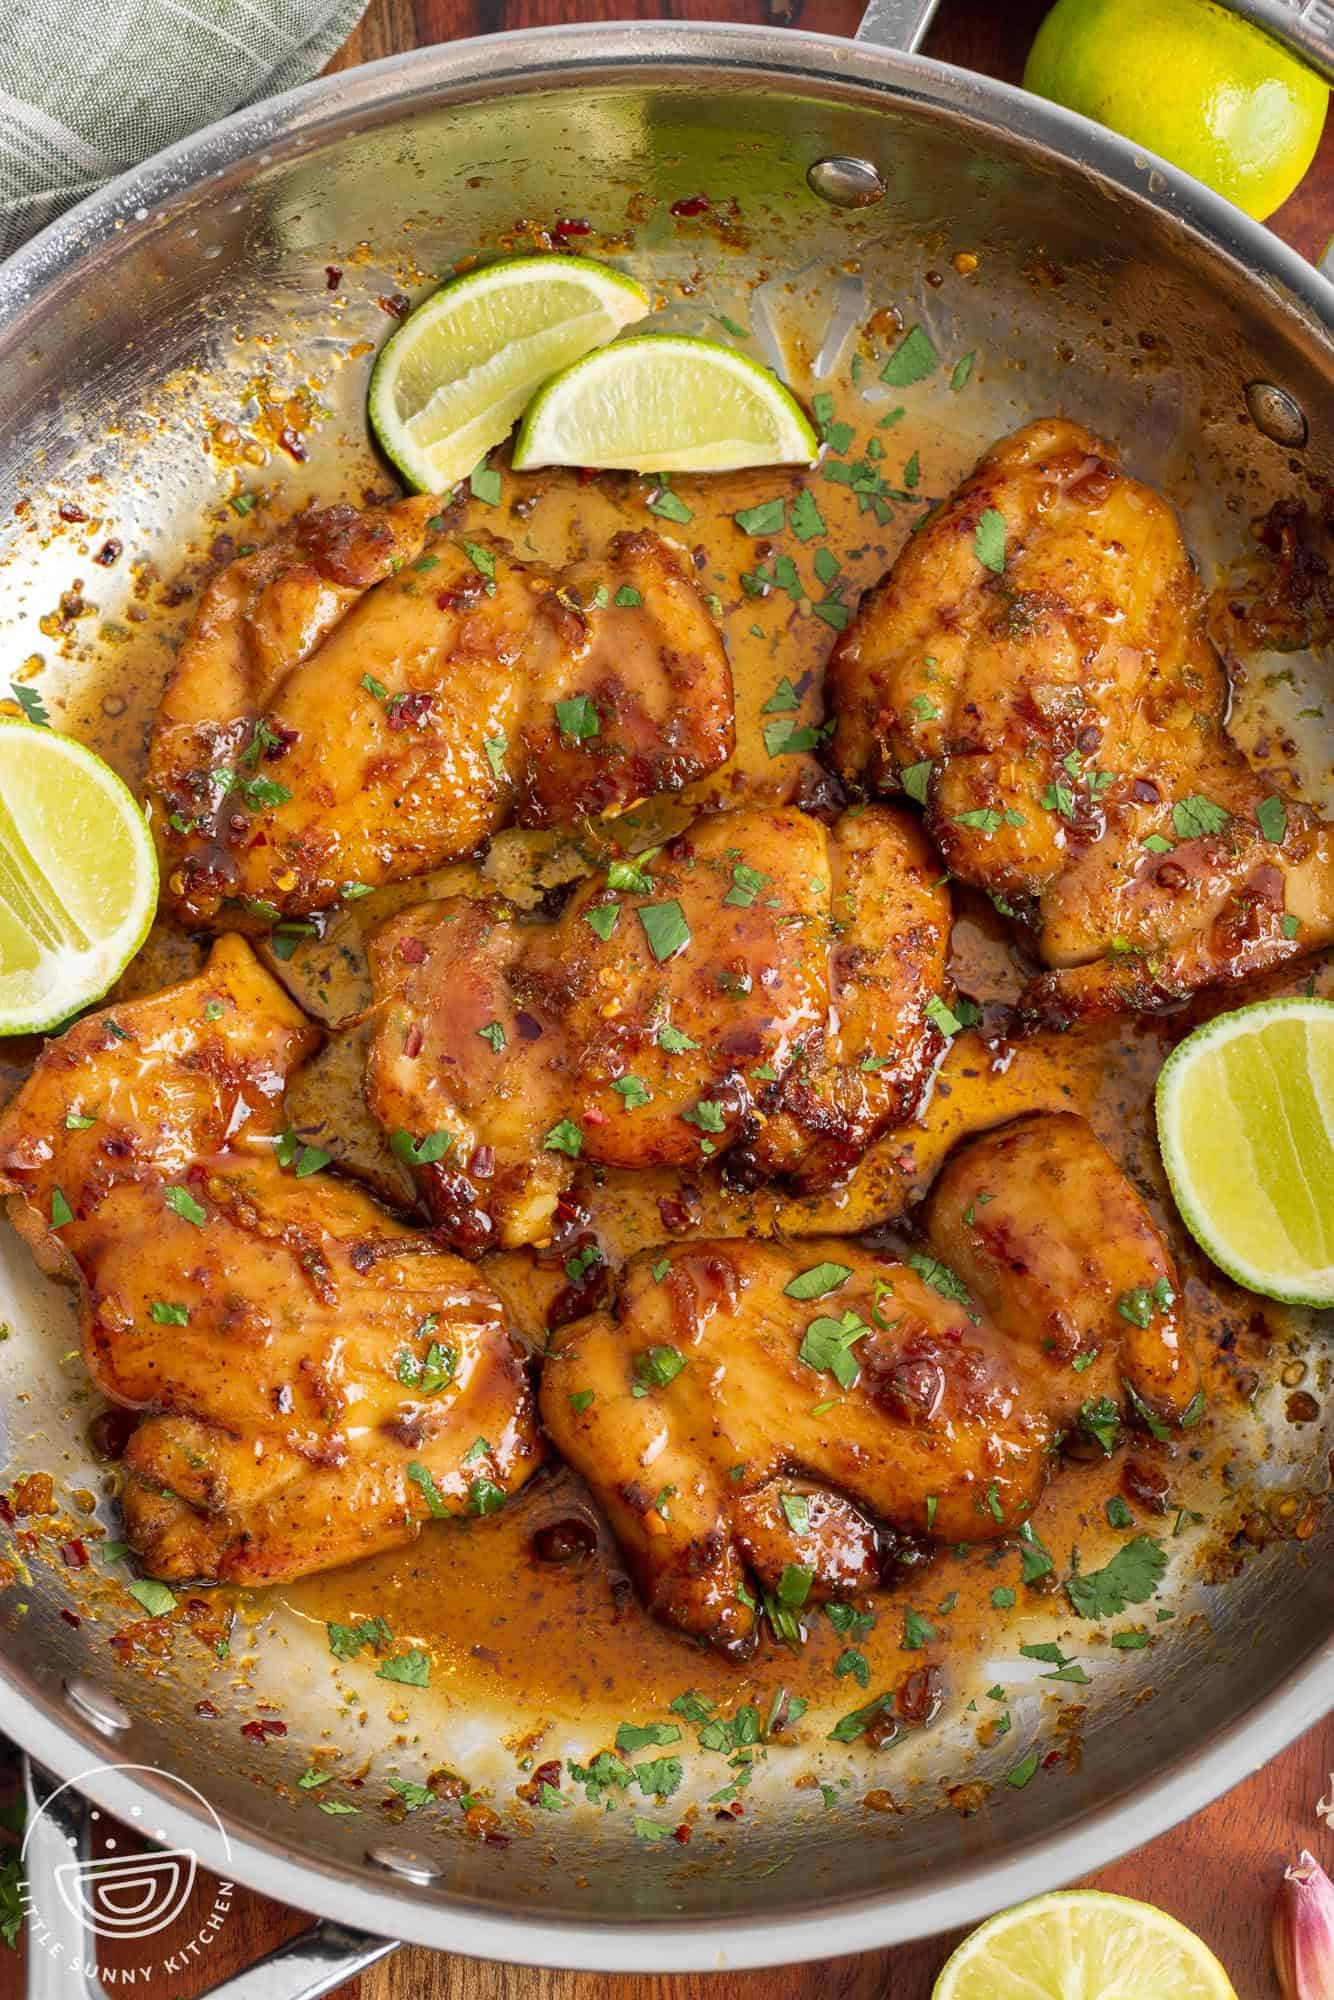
x=78 y=877
x=1246 y=1127
x=458 y=372
x=1081 y=1945
x=665 y=402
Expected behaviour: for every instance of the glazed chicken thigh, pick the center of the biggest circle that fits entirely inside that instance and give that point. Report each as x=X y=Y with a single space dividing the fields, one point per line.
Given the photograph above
x=315 y=1377
x=761 y=987
x=773 y=1409
x=1036 y=668
x=365 y=699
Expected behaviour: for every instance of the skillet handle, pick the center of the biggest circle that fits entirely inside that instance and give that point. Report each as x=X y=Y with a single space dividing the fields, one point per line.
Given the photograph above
x=897 y=24
x=62 y=1966
x=312 y=1963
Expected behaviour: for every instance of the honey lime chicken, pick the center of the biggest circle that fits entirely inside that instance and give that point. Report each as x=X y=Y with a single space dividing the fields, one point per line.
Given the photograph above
x=316 y=1379
x=1035 y=668
x=365 y=699
x=762 y=987
x=788 y=1412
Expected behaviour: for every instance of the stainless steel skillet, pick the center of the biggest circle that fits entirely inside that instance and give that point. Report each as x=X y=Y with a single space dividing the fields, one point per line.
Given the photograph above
x=1109 y=286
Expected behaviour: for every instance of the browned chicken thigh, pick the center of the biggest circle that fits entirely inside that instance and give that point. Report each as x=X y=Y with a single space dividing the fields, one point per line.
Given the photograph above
x=762 y=986
x=364 y=700
x=1036 y=669
x=316 y=1378
x=772 y=1409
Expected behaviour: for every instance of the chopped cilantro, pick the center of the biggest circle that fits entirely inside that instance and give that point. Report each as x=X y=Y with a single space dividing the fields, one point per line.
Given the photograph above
x=420 y=1476
x=182 y=1203
x=155 y=1597
x=674 y=1040
x=165 y=1314
x=1131 y=1577
x=817 y=1281
x=655 y=1367
x=577 y=719
x=915 y=778
x=912 y=361
x=765 y=519
x=665 y=927
x=412 y=1669
x=422 y=1152
x=31 y=703
x=1271 y=816
x=1196 y=816
x=564 y=1138
x=494 y=1035
x=989 y=541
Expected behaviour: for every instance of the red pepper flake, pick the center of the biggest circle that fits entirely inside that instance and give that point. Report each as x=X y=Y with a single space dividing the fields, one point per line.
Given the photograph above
x=412 y=950
x=109 y=553
x=408 y=710
x=74 y=1555
x=1052 y=1757
x=691 y=204
x=412 y=1041
x=70 y=1618
x=588 y=473
x=69 y=512
x=593 y=1116
x=572 y=226
x=483 y=1162
x=397 y=305
x=682 y=1834
x=333 y=277
x=292 y=444
x=265 y=1727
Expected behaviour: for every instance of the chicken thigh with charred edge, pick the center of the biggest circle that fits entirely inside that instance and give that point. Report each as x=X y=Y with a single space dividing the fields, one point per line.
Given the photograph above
x=763 y=990
x=807 y=1415
x=365 y=699
x=1036 y=669
x=314 y=1377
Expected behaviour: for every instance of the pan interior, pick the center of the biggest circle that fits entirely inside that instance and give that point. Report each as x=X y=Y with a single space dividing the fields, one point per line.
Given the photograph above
x=139 y=392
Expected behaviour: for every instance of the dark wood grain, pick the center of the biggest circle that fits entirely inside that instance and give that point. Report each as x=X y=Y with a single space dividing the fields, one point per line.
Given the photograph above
x=1218 y=1871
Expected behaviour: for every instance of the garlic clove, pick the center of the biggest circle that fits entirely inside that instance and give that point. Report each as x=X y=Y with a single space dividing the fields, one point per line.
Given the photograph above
x=1302 y=1933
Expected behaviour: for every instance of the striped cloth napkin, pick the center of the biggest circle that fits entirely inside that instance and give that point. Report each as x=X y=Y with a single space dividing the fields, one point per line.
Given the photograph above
x=91 y=87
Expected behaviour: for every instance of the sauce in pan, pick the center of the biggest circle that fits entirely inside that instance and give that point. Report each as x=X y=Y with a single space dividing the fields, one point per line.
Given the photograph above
x=530 y=1615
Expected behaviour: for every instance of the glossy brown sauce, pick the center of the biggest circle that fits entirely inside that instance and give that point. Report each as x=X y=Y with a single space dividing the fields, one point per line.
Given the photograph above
x=508 y=1628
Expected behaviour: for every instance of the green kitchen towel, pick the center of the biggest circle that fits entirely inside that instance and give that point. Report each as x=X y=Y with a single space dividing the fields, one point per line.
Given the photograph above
x=91 y=87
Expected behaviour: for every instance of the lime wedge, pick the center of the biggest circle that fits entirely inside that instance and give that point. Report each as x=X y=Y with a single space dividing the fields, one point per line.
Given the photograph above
x=78 y=877
x=451 y=382
x=664 y=402
x=1078 y=1944
x=1246 y=1128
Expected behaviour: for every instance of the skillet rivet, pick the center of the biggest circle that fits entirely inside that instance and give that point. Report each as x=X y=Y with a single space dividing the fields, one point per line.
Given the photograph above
x=403 y=1861
x=97 y=1706
x=845 y=182
x=1277 y=415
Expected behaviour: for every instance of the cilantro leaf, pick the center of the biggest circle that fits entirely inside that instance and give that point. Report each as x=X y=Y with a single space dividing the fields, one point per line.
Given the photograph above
x=989 y=541
x=1131 y=1577
x=912 y=361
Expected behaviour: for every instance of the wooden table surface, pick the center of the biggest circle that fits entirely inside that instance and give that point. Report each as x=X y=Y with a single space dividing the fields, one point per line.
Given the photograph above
x=1218 y=1871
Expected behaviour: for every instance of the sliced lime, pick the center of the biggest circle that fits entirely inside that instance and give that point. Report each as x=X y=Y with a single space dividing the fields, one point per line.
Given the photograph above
x=1078 y=1944
x=78 y=877
x=665 y=402
x=1246 y=1127
x=449 y=384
